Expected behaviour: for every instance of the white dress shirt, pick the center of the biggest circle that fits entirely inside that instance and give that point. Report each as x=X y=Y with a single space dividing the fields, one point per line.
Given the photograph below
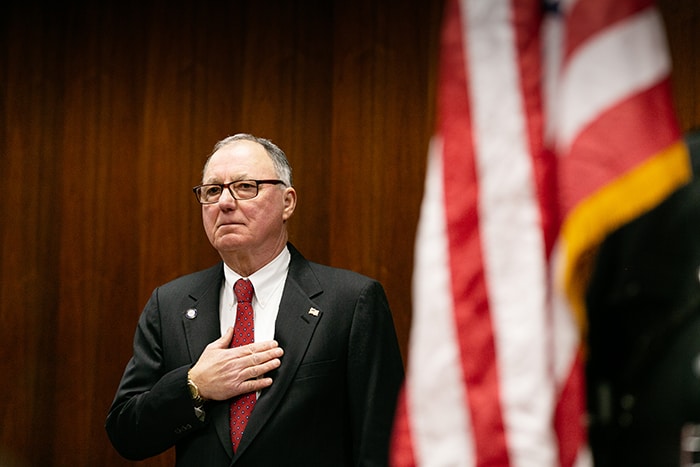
x=268 y=284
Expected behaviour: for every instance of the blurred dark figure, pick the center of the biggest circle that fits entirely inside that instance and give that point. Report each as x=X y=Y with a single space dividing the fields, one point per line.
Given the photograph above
x=643 y=370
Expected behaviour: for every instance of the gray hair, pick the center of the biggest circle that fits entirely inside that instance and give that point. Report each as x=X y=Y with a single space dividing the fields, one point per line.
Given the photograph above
x=279 y=158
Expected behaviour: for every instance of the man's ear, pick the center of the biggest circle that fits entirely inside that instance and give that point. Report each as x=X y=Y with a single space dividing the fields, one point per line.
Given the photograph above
x=290 y=203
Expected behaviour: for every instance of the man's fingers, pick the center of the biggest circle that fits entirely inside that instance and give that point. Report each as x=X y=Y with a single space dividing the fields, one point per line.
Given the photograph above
x=262 y=346
x=257 y=370
x=223 y=342
x=258 y=348
x=259 y=358
x=262 y=362
x=253 y=385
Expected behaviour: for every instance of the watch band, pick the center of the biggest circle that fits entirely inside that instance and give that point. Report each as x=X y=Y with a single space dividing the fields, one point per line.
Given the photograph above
x=197 y=398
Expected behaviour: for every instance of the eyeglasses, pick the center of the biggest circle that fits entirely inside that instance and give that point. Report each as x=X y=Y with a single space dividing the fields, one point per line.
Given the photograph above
x=210 y=193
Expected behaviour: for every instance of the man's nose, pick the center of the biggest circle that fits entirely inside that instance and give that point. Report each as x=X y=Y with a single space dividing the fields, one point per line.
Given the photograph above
x=226 y=199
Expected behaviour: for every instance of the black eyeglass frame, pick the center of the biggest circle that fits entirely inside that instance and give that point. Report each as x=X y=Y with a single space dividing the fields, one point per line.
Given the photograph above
x=229 y=186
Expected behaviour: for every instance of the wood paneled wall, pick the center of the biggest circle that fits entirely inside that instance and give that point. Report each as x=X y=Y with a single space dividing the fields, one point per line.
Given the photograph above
x=107 y=112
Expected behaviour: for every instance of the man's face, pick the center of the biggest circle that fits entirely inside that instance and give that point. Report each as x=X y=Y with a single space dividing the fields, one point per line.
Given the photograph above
x=253 y=225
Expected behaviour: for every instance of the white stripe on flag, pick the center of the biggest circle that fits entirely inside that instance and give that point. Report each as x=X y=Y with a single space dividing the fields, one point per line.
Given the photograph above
x=626 y=58
x=511 y=232
x=434 y=381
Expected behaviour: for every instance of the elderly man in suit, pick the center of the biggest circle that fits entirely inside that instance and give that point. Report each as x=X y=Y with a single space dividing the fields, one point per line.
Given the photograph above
x=265 y=359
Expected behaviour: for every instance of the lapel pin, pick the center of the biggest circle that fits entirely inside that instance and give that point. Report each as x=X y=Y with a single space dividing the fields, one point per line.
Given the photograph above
x=191 y=313
x=313 y=311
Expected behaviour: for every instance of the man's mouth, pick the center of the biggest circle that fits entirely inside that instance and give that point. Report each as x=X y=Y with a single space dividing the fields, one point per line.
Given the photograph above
x=228 y=224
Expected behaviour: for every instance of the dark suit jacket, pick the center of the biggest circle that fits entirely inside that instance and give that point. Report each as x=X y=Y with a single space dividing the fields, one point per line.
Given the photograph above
x=332 y=399
x=643 y=372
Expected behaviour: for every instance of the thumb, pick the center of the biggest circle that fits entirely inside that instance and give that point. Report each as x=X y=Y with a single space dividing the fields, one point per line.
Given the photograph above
x=224 y=342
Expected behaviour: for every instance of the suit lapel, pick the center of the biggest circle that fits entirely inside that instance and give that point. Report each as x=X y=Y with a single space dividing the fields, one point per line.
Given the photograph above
x=202 y=325
x=296 y=321
x=200 y=318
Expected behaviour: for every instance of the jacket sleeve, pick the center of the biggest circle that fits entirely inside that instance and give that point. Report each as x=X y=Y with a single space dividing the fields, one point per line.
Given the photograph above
x=152 y=409
x=375 y=374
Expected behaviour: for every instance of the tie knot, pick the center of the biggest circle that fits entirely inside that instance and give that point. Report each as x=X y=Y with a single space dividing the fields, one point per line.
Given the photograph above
x=243 y=289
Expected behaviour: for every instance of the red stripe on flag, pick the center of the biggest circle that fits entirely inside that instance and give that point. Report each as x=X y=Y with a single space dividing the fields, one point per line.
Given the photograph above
x=527 y=22
x=570 y=408
x=471 y=309
x=570 y=399
x=617 y=141
x=401 y=448
x=598 y=15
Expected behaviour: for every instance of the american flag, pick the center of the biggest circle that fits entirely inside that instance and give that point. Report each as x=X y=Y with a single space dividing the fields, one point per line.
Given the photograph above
x=555 y=126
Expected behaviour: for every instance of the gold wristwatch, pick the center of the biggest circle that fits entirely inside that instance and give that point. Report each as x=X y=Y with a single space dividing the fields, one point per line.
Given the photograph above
x=197 y=398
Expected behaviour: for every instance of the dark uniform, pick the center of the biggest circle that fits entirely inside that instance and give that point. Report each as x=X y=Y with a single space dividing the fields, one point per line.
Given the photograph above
x=643 y=370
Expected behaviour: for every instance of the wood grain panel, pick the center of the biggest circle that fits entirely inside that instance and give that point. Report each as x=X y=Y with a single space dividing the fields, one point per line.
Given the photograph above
x=682 y=18
x=29 y=290
x=381 y=126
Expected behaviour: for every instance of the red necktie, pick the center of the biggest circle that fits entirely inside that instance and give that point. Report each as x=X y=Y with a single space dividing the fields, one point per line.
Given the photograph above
x=243 y=333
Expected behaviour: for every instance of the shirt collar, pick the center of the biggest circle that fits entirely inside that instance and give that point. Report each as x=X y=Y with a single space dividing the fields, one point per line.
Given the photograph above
x=266 y=279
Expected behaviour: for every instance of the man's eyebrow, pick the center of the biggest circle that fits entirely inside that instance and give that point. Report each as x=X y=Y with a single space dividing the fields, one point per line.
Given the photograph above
x=217 y=180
